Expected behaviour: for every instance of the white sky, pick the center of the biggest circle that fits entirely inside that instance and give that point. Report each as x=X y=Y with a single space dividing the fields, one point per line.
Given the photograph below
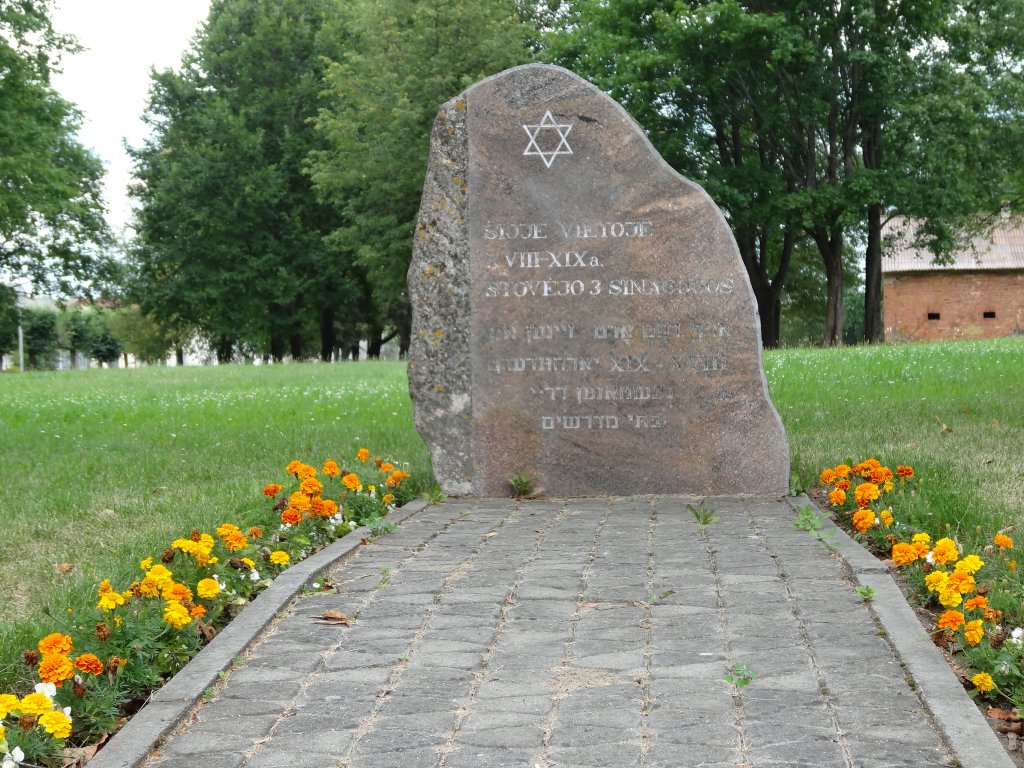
x=109 y=81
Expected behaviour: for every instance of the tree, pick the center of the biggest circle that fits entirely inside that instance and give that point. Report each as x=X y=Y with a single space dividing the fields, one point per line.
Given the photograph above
x=140 y=335
x=401 y=60
x=806 y=119
x=52 y=230
x=231 y=233
x=8 y=320
x=41 y=338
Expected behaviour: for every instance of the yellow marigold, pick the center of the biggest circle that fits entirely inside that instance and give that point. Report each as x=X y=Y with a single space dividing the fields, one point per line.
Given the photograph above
x=827 y=476
x=903 y=554
x=248 y=562
x=149 y=587
x=176 y=614
x=331 y=468
x=35 y=704
x=160 y=576
x=362 y=454
x=351 y=481
x=290 y=516
x=945 y=551
x=232 y=537
x=886 y=517
x=887 y=486
x=195 y=548
x=271 y=490
x=936 y=581
x=299 y=501
x=387 y=498
x=974 y=632
x=311 y=486
x=921 y=538
x=146 y=564
x=950 y=598
x=1003 y=541
x=306 y=471
x=961 y=582
x=978 y=601
x=207 y=588
x=293 y=467
x=8 y=703
x=863 y=519
x=55 y=668
x=56 y=723
x=837 y=497
x=109 y=599
x=55 y=643
x=279 y=557
x=951 y=620
x=983 y=682
x=970 y=564
x=865 y=493
x=89 y=663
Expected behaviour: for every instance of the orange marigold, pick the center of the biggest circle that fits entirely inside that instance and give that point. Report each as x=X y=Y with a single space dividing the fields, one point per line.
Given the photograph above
x=945 y=551
x=176 y=591
x=903 y=554
x=951 y=620
x=865 y=493
x=837 y=497
x=293 y=467
x=863 y=519
x=362 y=454
x=55 y=643
x=331 y=468
x=352 y=482
x=255 y=533
x=290 y=516
x=311 y=486
x=271 y=490
x=305 y=472
x=983 y=682
x=974 y=632
x=385 y=467
x=232 y=537
x=90 y=664
x=961 y=582
x=827 y=476
x=56 y=668
x=842 y=470
x=300 y=501
x=330 y=507
x=979 y=601
x=1003 y=541
x=880 y=475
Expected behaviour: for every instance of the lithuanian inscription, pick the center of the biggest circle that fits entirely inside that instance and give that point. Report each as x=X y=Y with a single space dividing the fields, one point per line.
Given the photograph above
x=596 y=300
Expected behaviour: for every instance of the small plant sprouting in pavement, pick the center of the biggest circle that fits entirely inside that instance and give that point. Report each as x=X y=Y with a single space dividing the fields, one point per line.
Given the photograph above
x=385 y=578
x=865 y=592
x=808 y=520
x=434 y=495
x=656 y=598
x=522 y=485
x=740 y=675
x=702 y=514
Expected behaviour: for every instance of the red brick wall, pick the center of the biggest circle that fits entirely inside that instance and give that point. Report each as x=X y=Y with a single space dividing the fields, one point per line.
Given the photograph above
x=960 y=300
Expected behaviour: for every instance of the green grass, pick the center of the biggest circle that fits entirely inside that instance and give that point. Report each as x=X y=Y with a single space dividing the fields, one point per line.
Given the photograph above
x=102 y=468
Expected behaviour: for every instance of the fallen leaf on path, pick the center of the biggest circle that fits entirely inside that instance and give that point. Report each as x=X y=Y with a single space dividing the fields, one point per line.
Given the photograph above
x=334 y=618
x=492 y=533
x=1016 y=727
x=1001 y=714
x=63 y=567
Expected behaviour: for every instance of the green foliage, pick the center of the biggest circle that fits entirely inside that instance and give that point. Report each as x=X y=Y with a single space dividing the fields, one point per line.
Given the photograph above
x=865 y=592
x=702 y=514
x=52 y=231
x=8 y=320
x=740 y=675
x=41 y=338
x=522 y=484
x=807 y=519
x=395 y=63
x=140 y=335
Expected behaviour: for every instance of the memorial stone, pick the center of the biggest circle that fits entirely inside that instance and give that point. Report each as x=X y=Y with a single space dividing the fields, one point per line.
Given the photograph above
x=581 y=313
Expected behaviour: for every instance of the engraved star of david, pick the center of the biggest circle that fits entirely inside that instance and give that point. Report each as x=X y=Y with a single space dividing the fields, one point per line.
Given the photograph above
x=548 y=123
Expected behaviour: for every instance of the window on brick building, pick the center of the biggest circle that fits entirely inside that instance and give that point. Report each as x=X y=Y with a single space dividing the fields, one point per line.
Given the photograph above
x=989 y=314
x=933 y=315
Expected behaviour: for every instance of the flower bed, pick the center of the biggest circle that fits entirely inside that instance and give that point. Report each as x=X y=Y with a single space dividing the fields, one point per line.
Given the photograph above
x=102 y=661
x=974 y=597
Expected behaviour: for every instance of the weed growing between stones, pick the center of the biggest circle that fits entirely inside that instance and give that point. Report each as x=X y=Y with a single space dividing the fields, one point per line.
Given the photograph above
x=102 y=661
x=522 y=485
x=740 y=675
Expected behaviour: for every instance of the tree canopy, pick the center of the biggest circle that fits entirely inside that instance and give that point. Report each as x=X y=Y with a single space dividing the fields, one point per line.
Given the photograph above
x=52 y=231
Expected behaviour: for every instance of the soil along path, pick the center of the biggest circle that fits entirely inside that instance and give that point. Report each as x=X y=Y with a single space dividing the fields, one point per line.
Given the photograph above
x=593 y=632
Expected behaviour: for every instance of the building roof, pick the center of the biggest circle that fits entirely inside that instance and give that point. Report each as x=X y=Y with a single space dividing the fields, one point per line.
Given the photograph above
x=1003 y=249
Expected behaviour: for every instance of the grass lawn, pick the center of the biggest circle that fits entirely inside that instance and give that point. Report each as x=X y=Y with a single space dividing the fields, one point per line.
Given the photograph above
x=101 y=468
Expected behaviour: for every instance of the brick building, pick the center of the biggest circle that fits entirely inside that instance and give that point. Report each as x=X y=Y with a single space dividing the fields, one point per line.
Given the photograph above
x=979 y=295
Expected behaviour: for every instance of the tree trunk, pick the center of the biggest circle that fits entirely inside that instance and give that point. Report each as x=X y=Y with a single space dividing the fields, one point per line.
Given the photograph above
x=179 y=355
x=373 y=346
x=873 y=330
x=295 y=345
x=277 y=347
x=327 y=335
x=224 y=348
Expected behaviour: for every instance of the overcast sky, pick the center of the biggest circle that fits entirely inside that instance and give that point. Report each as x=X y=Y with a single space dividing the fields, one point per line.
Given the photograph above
x=110 y=79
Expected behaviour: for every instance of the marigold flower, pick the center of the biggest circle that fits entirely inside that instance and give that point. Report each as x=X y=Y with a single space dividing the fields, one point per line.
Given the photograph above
x=55 y=643
x=56 y=723
x=921 y=538
x=887 y=486
x=316 y=507
x=837 y=497
x=109 y=599
x=197 y=549
x=865 y=493
x=271 y=490
x=387 y=498
x=89 y=663
x=396 y=478
x=1012 y=565
x=330 y=507
x=293 y=467
x=951 y=620
x=904 y=471
x=248 y=562
x=863 y=519
x=843 y=485
x=970 y=564
x=842 y=470
x=945 y=551
x=903 y=554
x=880 y=475
x=146 y=564
x=159 y=575
x=35 y=704
x=306 y=471
x=176 y=614
x=352 y=482
x=385 y=467
x=232 y=537
x=290 y=516
x=176 y=591
x=197 y=611
x=8 y=703
x=300 y=501
x=311 y=486
x=961 y=582
x=279 y=557
x=974 y=632
x=255 y=533
x=886 y=517
x=827 y=476
x=363 y=455
x=978 y=601
x=149 y=587
x=331 y=468
x=56 y=668
x=1003 y=541
x=936 y=581
x=207 y=588
x=950 y=598
x=983 y=682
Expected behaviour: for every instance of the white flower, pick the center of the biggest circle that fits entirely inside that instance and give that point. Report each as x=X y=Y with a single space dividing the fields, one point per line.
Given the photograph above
x=13 y=758
x=1017 y=636
x=352 y=525
x=49 y=689
x=929 y=558
x=254 y=575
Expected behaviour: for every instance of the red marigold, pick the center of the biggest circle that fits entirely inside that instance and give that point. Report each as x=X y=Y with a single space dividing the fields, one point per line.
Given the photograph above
x=89 y=663
x=271 y=490
x=904 y=471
